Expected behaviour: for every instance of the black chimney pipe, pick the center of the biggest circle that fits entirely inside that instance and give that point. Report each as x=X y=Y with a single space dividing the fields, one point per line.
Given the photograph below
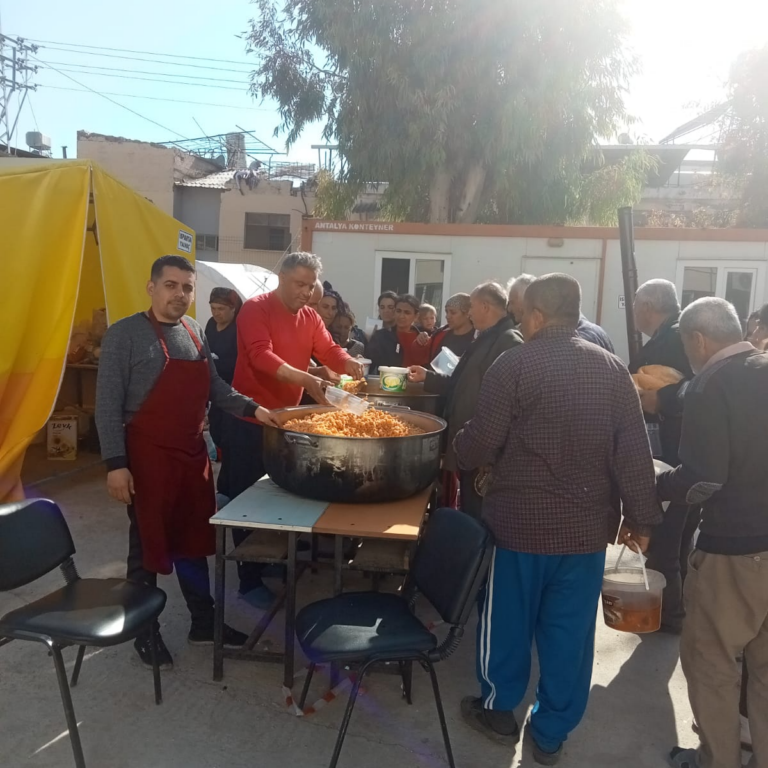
x=629 y=273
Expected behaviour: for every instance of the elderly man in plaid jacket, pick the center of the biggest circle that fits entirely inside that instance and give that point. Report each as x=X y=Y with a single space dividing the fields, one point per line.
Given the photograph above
x=559 y=421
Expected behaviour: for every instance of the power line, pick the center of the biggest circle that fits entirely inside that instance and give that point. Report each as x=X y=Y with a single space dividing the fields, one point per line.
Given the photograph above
x=116 y=103
x=144 y=53
x=147 y=61
x=34 y=116
x=141 y=72
x=146 y=79
x=155 y=98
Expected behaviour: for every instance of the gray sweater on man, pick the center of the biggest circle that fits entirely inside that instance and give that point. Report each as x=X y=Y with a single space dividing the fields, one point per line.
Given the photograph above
x=131 y=363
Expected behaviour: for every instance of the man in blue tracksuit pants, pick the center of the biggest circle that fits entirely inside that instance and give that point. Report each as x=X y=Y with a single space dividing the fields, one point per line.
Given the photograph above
x=559 y=422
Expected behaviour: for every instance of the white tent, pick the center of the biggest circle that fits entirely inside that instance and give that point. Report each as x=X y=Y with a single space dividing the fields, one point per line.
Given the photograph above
x=248 y=280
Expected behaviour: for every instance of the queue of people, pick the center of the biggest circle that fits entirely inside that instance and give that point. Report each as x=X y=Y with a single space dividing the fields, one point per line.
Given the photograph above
x=496 y=335
x=548 y=441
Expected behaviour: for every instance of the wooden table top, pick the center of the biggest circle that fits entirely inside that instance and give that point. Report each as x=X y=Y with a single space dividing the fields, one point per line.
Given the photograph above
x=389 y=520
x=265 y=505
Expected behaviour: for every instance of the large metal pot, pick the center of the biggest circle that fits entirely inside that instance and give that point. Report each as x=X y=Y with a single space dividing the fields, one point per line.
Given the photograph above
x=353 y=469
x=414 y=396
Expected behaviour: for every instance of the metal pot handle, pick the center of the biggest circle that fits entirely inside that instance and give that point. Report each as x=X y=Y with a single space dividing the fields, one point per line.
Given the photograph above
x=395 y=408
x=293 y=438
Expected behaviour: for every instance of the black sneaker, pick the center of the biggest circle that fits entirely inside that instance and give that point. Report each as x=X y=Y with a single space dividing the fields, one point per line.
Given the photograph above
x=204 y=636
x=144 y=651
x=539 y=755
x=500 y=727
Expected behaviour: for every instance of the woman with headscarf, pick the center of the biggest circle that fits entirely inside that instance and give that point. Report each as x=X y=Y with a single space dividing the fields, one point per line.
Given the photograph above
x=458 y=332
x=341 y=331
x=221 y=333
x=331 y=306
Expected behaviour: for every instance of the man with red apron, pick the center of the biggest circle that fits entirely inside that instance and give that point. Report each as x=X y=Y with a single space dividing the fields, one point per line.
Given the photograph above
x=155 y=380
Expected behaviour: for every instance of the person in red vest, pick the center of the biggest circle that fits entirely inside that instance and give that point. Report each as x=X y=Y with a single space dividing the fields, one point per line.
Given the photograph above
x=156 y=377
x=277 y=336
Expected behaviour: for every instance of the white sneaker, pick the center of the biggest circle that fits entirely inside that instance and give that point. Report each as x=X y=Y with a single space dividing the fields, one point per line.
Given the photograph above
x=746 y=736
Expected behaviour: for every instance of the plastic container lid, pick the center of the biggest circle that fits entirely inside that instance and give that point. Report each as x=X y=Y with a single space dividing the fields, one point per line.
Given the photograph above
x=631 y=579
x=387 y=369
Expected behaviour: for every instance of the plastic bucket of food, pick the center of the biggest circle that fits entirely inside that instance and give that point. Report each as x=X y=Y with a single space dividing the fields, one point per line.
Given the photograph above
x=393 y=379
x=632 y=597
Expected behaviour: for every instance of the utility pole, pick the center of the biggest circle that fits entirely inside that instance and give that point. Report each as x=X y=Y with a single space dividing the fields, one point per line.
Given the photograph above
x=15 y=80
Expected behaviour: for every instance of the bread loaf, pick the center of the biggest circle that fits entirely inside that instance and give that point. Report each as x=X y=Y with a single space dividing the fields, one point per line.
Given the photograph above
x=644 y=381
x=663 y=373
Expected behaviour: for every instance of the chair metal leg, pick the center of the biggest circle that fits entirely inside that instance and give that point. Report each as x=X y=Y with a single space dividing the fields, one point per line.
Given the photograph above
x=78 y=664
x=307 y=683
x=406 y=673
x=155 y=665
x=69 y=710
x=441 y=713
x=348 y=714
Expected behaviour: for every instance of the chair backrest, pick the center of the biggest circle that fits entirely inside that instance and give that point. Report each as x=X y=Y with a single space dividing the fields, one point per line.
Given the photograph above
x=34 y=539
x=451 y=563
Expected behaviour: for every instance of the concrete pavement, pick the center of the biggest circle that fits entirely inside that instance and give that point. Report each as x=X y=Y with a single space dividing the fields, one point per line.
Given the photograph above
x=638 y=707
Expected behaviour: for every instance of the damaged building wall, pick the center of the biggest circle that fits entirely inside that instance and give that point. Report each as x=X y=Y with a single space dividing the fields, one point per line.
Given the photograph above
x=268 y=198
x=150 y=169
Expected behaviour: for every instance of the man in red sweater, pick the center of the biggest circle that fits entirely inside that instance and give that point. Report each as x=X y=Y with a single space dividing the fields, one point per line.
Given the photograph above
x=277 y=335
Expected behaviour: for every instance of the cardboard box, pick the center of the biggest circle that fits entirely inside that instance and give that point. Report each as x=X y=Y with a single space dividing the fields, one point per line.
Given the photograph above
x=62 y=437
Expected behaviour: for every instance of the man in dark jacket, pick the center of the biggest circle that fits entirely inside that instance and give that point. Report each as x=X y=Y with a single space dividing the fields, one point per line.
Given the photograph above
x=722 y=467
x=657 y=314
x=590 y=331
x=496 y=335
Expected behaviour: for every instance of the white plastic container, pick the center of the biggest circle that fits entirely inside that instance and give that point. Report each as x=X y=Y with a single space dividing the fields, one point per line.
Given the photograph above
x=372 y=324
x=393 y=379
x=345 y=401
x=445 y=362
x=366 y=363
x=632 y=597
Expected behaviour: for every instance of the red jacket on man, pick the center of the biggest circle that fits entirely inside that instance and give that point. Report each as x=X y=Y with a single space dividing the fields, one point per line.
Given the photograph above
x=268 y=336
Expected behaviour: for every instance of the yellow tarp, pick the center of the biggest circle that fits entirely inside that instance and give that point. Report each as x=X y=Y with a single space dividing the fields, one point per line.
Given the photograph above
x=56 y=267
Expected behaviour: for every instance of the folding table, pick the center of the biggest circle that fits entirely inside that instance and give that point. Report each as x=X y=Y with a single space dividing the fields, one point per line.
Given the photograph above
x=266 y=507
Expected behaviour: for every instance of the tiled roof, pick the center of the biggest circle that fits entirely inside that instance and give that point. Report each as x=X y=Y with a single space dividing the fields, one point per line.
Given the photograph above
x=220 y=180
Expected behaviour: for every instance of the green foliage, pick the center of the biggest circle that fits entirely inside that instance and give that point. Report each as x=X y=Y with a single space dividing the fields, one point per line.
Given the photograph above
x=333 y=198
x=504 y=100
x=698 y=218
x=562 y=193
x=745 y=155
x=611 y=187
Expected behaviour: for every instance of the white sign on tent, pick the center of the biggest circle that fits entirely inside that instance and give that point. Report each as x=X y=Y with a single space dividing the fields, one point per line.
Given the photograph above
x=247 y=279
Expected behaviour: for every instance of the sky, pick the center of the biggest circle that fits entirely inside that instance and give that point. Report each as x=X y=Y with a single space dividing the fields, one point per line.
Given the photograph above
x=685 y=48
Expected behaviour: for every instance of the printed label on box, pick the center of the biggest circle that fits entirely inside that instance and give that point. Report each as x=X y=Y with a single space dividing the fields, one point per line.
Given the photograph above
x=62 y=438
